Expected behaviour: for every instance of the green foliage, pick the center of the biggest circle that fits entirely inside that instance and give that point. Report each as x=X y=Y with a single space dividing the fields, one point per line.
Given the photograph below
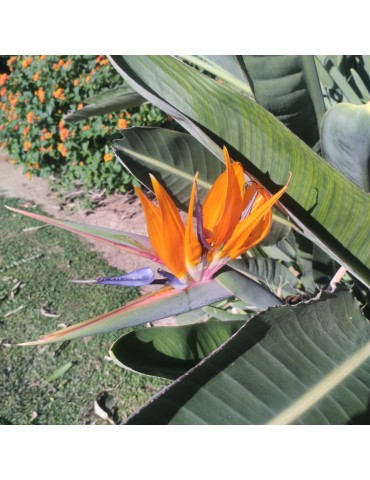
x=112 y=100
x=38 y=93
x=307 y=364
x=344 y=78
x=288 y=86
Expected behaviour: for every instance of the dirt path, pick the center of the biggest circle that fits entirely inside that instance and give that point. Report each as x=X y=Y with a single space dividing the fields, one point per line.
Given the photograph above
x=121 y=212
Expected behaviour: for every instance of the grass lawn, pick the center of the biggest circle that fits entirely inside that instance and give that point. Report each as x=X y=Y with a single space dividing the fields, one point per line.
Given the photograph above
x=35 y=266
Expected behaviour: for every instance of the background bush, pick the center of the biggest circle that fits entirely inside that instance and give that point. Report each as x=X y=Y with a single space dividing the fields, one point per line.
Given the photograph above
x=36 y=94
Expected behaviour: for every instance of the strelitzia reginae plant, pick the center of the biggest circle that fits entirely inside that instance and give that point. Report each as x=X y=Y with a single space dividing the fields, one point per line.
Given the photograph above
x=303 y=354
x=235 y=216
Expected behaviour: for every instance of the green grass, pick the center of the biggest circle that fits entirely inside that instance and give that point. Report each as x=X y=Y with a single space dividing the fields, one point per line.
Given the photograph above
x=35 y=267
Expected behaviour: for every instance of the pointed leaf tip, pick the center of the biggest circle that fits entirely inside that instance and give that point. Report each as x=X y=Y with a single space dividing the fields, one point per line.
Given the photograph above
x=137 y=278
x=148 y=308
x=131 y=242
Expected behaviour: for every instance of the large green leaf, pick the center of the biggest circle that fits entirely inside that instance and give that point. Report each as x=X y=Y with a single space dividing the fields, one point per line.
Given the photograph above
x=108 y=101
x=306 y=364
x=170 y=351
x=154 y=98
x=269 y=272
x=329 y=208
x=288 y=86
x=173 y=158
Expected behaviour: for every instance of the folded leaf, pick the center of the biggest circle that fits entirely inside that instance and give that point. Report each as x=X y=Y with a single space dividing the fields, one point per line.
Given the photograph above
x=169 y=352
x=109 y=101
x=288 y=86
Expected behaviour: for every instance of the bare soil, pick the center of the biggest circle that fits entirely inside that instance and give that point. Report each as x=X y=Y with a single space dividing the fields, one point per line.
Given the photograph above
x=119 y=211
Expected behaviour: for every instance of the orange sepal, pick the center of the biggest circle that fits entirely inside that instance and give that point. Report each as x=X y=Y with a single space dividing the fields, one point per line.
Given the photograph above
x=260 y=219
x=153 y=218
x=166 y=239
x=223 y=204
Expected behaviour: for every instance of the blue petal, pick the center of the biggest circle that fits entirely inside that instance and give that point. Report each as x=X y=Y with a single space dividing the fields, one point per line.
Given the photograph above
x=199 y=219
x=137 y=278
x=248 y=208
x=170 y=279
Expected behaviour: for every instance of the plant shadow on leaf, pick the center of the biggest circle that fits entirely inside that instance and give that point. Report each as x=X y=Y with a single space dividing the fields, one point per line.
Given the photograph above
x=159 y=360
x=185 y=388
x=362 y=418
x=169 y=352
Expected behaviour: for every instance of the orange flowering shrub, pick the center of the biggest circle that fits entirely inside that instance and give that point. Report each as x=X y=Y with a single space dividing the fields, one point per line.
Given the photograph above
x=58 y=93
x=122 y=123
x=36 y=95
x=30 y=117
x=26 y=62
x=62 y=149
x=3 y=79
x=108 y=157
x=40 y=94
x=63 y=134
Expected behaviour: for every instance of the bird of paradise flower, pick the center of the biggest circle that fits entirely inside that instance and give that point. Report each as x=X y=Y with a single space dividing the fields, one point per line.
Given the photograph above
x=235 y=216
